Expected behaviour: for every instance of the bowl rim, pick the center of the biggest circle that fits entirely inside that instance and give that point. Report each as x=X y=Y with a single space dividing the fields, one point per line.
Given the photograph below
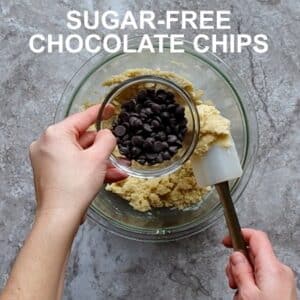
x=195 y=226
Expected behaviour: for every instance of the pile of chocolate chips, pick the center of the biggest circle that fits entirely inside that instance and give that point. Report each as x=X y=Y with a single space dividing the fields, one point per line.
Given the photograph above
x=150 y=127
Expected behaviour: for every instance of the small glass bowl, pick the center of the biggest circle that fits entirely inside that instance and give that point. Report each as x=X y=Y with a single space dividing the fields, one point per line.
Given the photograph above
x=128 y=89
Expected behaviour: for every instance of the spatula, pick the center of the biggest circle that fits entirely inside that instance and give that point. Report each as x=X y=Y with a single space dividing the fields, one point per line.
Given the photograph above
x=217 y=167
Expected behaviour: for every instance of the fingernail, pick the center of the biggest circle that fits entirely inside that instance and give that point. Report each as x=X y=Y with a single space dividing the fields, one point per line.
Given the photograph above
x=109 y=105
x=237 y=258
x=107 y=131
x=108 y=111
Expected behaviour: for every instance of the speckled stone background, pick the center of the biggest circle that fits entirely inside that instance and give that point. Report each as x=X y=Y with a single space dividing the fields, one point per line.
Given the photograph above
x=104 y=266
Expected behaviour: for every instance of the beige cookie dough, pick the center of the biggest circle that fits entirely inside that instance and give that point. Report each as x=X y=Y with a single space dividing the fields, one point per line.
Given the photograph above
x=178 y=189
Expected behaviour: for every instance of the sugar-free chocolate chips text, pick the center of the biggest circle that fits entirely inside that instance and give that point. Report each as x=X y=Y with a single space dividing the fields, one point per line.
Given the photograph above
x=150 y=127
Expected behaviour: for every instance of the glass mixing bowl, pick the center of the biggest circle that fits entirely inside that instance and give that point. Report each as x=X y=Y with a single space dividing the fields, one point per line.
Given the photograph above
x=220 y=84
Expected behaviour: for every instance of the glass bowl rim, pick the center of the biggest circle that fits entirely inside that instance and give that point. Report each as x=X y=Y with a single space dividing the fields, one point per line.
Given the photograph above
x=195 y=226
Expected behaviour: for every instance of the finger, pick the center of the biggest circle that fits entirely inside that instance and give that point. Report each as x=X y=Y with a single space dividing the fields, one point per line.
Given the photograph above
x=81 y=121
x=241 y=271
x=231 y=281
x=114 y=174
x=227 y=242
x=103 y=146
x=259 y=245
x=87 y=139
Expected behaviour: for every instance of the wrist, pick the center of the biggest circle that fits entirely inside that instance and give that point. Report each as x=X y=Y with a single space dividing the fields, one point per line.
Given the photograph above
x=58 y=217
x=61 y=207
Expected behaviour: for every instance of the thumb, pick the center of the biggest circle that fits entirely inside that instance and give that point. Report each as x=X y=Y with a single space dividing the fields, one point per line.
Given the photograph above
x=104 y=144
x=242 y=272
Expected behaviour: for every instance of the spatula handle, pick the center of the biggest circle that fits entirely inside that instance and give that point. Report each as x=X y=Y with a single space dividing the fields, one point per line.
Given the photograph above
x=231 y=218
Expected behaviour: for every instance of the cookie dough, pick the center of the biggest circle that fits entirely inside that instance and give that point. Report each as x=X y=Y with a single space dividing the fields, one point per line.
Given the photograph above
x=179 y=189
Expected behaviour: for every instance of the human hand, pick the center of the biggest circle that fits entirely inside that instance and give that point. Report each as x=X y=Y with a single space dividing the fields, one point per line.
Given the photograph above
x=70 y=164
x=268 y=279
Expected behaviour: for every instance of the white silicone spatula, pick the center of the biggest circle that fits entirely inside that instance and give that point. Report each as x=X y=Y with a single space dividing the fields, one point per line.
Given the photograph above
x=217 y=167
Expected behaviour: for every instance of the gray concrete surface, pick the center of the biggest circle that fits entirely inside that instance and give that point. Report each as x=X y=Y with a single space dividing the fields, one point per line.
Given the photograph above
x=104 y=266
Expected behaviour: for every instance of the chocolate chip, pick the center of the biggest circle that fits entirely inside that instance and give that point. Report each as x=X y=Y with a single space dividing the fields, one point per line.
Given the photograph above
x=168 y=130
x=141 y=161
x=161 y=95
x=151 y=93
x=182 y=128
x=150 y=140
x=183 y=122
x=166 y=155
x=124 y=150
x=143 y=116
x=165 y=145
x=135 y=151
x=126 y=142
x=158 y=119
x=180 y=136
x=148 y=144
x=162 y=136
x=141 y=96
x=138 y=108
x=124 y=116
x=135 y=122
x=120 y=130
x=151 y=156
x=177 y=129
x=114 y=123
x=179 y=144
x=148 y=103
x=125 y=137
x=172 y=138
x=163 y=107
x=171 y=107
x=137 y=140
x=165 y=115
x=173 y=149
x=148 y=111
x=157 y=147
x=173 y=121
x=170 y=97
x=147 y=127
x=159 y=158
x=179 y=111
x=156 y=108
x=155 y=124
